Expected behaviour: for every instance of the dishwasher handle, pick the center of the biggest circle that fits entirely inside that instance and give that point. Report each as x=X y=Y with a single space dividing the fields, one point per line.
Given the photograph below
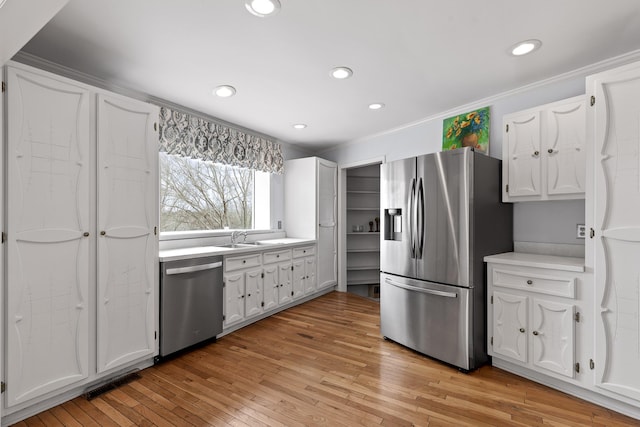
x=194 y=268
x=422 y=290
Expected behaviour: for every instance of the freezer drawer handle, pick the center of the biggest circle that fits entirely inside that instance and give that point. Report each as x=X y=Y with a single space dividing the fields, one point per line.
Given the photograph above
x=424 y=291
x=193 y=269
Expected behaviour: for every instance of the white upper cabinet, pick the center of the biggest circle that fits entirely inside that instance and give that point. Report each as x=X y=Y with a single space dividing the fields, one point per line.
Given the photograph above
x=614 y=198
x=544 y=152
x=127 y=217
x=48 y=230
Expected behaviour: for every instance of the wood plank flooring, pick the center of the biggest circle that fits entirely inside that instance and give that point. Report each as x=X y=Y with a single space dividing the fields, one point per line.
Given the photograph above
x=323 y=363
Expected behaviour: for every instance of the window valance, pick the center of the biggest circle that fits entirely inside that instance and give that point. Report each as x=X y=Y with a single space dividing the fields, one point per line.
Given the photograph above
x=188 y=136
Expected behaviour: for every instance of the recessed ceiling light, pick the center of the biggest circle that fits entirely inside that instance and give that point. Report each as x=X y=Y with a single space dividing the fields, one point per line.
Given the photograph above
x=262 y=8
x=376 y=106
x=224 y=91
x=341 y=73
x=525 y=47
x=299 y=126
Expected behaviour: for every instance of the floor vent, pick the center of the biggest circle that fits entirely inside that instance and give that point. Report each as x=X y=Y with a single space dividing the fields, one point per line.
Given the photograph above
x=112 y=384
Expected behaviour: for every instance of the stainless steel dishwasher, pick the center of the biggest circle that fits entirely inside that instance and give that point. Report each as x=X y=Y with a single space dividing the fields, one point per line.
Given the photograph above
x=190 y=302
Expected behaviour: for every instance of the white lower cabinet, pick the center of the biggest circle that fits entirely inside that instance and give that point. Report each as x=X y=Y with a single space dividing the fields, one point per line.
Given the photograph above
x=81 y=254
x=258 y=282
x=539 y=314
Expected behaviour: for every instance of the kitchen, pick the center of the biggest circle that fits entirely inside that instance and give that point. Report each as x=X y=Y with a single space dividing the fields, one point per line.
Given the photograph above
x=547 y=226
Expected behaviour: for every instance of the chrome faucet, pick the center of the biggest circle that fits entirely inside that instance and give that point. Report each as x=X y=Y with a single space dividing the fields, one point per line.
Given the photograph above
x=235 y=234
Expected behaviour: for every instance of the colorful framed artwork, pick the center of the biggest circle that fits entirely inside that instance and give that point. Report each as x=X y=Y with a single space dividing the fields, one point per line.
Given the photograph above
x=467 y=130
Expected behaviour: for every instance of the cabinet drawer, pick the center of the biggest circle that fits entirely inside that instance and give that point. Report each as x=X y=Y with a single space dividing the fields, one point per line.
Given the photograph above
x=304 y=251
x=240 y=262
x=543 y=283
x=276 y=256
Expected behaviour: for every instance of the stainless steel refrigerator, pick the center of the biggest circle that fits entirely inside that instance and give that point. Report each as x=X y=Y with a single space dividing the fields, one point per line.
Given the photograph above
x=440 y=215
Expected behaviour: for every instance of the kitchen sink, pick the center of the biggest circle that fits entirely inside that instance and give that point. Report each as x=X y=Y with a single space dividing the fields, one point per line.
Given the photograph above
x=241 y=245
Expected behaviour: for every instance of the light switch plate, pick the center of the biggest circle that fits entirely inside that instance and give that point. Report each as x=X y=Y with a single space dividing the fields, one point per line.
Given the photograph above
x=581 y=231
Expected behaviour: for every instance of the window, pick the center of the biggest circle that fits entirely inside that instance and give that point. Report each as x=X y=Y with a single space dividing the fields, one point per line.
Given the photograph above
x=197 y=195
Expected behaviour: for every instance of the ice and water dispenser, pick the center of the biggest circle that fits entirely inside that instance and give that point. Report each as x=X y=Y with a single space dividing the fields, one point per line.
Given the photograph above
x=393 y=224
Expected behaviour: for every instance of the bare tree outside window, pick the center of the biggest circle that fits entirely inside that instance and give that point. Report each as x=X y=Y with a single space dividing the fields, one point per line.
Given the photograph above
x=201 y=195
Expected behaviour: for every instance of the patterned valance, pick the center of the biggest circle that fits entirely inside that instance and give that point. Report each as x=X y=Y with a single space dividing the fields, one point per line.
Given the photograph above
x=190 y=136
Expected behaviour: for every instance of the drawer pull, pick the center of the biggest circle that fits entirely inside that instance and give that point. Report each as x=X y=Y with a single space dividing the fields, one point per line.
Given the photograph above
x=535 y=333
x=522 y=330
x=529 y=282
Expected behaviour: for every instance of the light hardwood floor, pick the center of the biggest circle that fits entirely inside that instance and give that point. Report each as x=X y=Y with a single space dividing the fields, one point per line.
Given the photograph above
x=323 y=363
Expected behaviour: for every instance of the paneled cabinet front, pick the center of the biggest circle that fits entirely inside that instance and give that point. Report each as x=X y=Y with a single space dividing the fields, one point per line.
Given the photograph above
x=52 y=230
x=48 y=234
x=544 y=152
x=534 y=321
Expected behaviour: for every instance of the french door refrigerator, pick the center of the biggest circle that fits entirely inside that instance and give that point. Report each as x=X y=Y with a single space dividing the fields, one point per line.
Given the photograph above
x=440 y=215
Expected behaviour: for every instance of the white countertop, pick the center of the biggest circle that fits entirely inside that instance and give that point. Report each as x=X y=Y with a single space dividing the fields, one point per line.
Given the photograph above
x=204 y=251
x=536 y=260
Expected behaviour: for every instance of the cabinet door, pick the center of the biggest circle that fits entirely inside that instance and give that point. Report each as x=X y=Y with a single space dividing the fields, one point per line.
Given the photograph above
x=253 y=292
x=270 y=287
x=47 y=249
x=553 y=336
x=617 y=228
x=297 y=277
x=565 y=150
x=510 y=325
x=309 y=275
x=522 y=139
x=233 y=298
x=285 y=288
x=127 y=217
x=327 y=246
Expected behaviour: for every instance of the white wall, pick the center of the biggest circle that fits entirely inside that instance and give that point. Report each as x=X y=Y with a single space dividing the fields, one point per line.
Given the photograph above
x=542 y=222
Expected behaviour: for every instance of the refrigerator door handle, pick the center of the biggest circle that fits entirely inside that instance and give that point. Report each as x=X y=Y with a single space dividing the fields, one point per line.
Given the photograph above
x=422 y=290
x=420 y=215
x=412 y=227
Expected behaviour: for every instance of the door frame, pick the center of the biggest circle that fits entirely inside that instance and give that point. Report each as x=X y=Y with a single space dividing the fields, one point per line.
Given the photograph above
x=342 y=215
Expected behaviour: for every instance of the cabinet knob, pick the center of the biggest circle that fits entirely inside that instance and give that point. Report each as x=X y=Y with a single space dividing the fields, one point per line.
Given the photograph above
x=244 y=261
x=550 y=150
x=248 y=295
x=85 y=234
x=535 y=332
x=522 y=330
x=278 y=256
x=103 y=233
x=536 y=153
x=529 y=282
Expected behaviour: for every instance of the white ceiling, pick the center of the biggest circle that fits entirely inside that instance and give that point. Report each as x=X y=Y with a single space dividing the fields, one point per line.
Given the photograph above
x=419 y=57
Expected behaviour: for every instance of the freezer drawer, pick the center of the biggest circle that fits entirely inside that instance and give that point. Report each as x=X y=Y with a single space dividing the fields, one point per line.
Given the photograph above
x=427 y=317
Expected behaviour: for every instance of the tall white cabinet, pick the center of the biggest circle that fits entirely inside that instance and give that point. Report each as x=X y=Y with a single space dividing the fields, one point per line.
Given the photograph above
x=613 y=203
x=81 y=239
x=310 y=188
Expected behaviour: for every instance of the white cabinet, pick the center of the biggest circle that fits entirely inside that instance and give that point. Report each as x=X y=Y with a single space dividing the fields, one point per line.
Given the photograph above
x=242 y=287
x=54 y=215
x=303 y=271
x=253 y=292
x=285 y=283
x=614 y=249
x=539 y=314
x=233 y=298
x=48 y=228
x=127 y=241
x=544 y=152
x=310 y=186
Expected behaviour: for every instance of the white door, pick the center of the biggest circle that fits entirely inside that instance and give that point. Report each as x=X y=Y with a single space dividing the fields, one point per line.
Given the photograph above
x=285 y=291
x=297 y=277
x=253 y=292
x=552 y=336
x=127 y=241
x=523 y=156
x=48 y=234
x=565 y=150
x=510 y=325
x=309 y=275
x=270 y=287
x=327 y=247
x=233 y=298
x=616 y=141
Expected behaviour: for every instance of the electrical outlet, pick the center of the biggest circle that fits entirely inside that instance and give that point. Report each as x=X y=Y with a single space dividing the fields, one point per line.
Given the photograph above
x=280 y=225
x=581 y=231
